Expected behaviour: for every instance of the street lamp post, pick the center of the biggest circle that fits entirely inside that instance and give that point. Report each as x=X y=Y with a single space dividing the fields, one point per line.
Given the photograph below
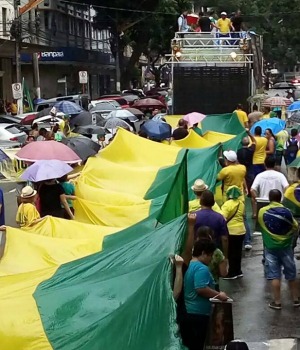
x=17 y=41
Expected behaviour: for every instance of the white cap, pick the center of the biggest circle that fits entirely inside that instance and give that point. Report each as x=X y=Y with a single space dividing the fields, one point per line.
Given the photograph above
x=223 y=13
x=230 y=156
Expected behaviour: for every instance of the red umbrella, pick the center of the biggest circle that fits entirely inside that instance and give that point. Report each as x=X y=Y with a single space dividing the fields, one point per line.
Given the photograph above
x=47 y=150
x=276 y=101
x=28 y=119
x=148 y=103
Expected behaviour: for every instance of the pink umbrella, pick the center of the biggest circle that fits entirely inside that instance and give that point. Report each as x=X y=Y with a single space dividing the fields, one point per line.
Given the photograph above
x=47 y=150
x=276 y=101
x=194 y=118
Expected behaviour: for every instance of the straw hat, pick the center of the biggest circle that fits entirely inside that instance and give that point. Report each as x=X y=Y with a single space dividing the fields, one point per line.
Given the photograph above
x=28 y=192
x=199 y=186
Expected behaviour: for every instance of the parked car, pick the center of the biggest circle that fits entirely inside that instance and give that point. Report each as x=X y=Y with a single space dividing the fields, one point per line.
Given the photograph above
x=47 y=122
x=13 y=133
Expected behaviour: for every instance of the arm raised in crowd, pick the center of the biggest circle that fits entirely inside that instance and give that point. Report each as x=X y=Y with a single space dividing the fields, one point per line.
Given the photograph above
x=187 y=253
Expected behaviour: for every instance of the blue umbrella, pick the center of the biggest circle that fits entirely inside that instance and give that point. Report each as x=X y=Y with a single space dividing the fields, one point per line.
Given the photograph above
x=46 y=170
x=68 y=107
x=275 y=124
x=294 y=106
x=157 y=129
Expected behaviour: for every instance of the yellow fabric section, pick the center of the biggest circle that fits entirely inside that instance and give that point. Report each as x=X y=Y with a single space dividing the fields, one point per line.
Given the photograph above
x=217 y=137
x=112 y=186
x=193 y=140
x=173 y=120
x=31 y=256
x=20 y=323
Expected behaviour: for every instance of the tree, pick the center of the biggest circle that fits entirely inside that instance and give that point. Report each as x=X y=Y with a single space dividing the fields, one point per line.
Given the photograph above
x=146 y=26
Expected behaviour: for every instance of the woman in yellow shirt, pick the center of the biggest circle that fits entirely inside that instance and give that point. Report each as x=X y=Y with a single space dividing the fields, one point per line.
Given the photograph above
x=27 y=214
x=260 y=152
x=233 y=211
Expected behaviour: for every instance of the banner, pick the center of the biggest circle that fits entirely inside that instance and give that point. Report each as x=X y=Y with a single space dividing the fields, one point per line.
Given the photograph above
x=221 y=326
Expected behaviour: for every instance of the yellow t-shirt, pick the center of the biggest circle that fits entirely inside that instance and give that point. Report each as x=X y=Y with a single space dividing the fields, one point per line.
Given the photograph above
x=260 y=150
x=194 y=205
x=224 y=25
x=234 y=207
x=27 y=214
x=243 y=118
x=233 y=175
x=265 y=116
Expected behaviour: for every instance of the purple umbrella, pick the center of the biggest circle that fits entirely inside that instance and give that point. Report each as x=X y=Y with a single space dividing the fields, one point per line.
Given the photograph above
x=45 y=170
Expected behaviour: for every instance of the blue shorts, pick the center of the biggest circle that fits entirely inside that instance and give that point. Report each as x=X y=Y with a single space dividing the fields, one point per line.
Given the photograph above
x=258 y=168
x=275 y=260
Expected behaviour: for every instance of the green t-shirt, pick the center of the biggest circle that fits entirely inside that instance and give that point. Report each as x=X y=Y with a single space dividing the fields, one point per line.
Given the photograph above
x=216 y=260
x=69 y=189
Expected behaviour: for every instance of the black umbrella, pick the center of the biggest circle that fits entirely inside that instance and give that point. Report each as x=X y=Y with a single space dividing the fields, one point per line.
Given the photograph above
x=82 y=146
x=88 y=129
x=85 y=118
x=44 y=112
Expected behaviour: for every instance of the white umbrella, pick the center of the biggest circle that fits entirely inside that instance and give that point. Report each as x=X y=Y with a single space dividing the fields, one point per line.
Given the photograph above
x=122 y=114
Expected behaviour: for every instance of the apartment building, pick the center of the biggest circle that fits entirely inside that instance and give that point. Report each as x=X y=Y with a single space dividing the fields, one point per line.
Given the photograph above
x=64 y=37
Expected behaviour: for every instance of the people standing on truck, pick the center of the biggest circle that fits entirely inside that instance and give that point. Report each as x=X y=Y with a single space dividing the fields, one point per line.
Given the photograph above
x=242 y=115
x=182 y=22
x=225 y=26
x=204 y=23
x=237 y=23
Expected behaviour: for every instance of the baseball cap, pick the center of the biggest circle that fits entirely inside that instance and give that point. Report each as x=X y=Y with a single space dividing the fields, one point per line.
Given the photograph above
x=230 y=156
x=223 y=13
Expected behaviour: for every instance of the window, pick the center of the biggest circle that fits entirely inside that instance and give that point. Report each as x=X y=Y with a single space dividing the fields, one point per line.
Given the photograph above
x=46 y=19
x=4 y=20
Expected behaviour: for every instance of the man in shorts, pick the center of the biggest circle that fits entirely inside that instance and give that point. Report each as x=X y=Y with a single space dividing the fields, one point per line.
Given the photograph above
x=278 y=226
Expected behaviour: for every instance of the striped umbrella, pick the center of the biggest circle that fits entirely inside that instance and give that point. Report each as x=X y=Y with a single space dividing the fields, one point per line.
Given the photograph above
x=276 y=101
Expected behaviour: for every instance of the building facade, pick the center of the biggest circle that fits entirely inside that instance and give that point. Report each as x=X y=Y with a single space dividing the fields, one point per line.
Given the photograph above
x=64 y=38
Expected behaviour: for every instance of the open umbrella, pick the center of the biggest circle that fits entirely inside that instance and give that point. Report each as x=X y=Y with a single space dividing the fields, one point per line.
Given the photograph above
x=283 y=85
x=44 y=112
x=114 y=123
x=276 y=101
x=82 y=146
x=275 y=124
x=130 y=98
x=157 y=129
x=86 y=118
x=135 y=111
x=88 y=129
x=28 y=120
x=68 y=107
x=148 y=103
x=45 y=170
x=47 y=150
x=295 y=106
x=194 y=118
x=122 y=114
x=295 y=117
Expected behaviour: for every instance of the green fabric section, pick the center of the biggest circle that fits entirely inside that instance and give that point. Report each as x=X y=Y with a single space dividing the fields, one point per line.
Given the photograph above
x=177 y=200
x=198 y=131
x=117 y=299
x=234 y=144
x=223 y=123
x=203 y=164
x=295 y=163
x=294 y=208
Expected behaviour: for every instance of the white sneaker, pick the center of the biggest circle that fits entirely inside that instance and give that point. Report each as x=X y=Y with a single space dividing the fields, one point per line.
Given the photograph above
x=248 y=246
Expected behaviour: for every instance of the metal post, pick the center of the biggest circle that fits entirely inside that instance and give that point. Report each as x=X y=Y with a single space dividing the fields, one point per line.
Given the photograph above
x=36 y=74
x=118 y=71
x=17 y=42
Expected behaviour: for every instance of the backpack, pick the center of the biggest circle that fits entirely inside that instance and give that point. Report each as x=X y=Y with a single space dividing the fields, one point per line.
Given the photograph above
x=291 y=150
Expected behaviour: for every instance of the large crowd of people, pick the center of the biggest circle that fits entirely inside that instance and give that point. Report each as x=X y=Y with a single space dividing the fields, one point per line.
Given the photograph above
x=218 y=232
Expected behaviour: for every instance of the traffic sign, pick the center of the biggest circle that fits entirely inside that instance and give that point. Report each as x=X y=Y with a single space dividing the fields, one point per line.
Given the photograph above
x=17 y=91
x=83 y=77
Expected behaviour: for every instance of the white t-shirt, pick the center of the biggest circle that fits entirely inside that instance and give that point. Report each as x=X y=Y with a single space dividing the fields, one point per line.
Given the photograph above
x=182 y=24
x=267 y=181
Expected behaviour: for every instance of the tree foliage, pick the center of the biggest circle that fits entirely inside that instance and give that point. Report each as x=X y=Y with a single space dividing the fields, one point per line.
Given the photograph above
x=147 y=26
x=276 y=20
